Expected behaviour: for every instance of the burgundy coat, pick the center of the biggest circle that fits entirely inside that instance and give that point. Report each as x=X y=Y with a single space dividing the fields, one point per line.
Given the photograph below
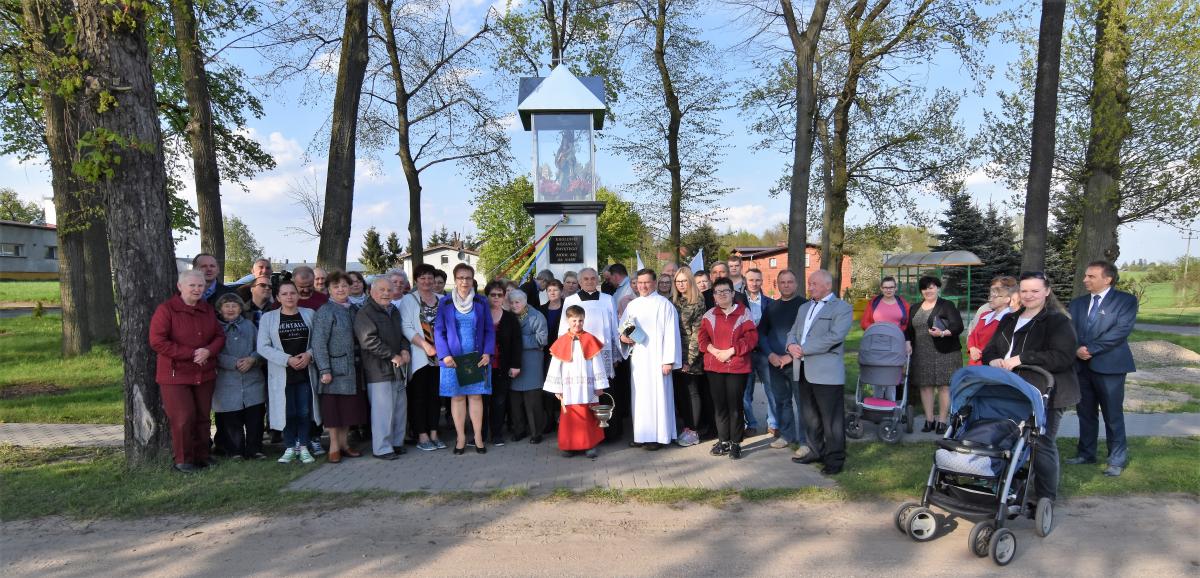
x=176 y=332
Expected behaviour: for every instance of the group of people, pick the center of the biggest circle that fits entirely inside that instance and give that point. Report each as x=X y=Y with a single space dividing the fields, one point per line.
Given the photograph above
x=678 y=351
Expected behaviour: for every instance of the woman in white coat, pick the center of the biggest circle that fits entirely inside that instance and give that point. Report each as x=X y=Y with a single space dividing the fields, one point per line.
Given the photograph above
x=283 y=340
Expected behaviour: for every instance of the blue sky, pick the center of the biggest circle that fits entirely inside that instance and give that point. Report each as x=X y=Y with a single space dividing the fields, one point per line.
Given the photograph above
x=381 y=198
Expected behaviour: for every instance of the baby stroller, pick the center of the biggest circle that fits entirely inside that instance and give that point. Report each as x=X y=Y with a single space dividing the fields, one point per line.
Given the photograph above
x=882 y=363
x=982 y=467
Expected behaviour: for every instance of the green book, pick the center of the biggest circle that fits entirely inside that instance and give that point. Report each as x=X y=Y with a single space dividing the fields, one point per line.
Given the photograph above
x=466 y=368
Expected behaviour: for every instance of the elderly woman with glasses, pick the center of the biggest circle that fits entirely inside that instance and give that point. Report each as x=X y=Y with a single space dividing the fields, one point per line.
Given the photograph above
x=527 y=414
x=463 y=327
x=1000 y=301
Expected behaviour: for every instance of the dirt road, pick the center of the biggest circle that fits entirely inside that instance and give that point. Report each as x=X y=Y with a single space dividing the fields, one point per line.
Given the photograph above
x=1094 y=537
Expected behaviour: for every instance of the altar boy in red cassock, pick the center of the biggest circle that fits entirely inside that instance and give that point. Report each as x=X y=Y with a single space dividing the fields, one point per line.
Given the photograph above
x=575 y=376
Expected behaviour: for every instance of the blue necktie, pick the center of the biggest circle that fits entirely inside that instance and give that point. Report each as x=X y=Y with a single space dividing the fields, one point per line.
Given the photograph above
x=1095 y=310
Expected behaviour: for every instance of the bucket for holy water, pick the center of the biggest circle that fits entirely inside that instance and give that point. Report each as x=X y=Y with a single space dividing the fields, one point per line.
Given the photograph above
x=604 y=412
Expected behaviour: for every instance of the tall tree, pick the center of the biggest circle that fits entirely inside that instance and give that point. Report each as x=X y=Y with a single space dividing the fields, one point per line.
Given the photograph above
x=12 y=208
x=343 y=136
x=676 y=143
x=504 y=224
x=241 y=248
x=423 y=98
x=393 y=249
x=962 y=230
x=200 y=128
x=373 y=256
x=121 y=152
x=618 y=228
x=1041 y=157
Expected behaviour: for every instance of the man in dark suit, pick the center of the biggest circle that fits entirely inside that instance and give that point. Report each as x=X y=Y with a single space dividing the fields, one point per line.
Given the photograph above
x=1103 y=319
x=213 y=288
x=534 y=288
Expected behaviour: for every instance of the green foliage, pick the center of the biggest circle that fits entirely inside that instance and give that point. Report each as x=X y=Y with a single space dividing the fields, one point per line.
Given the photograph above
x=619 y=228
x=241 y=248
x=393 y=250
x=29 y=292
x=705 y=236
x=504 y=225
x=373 y=256
x=962 y=230
x=12 y=208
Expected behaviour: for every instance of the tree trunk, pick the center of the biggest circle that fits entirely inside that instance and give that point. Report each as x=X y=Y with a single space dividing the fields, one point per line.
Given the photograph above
x=199 y=130
x=1041 y=158
x=101 y=303
x=339 y=176
x=112 y=38
x=833 y=223
x=675 y=119
x=41 y=19
x=1109 y=104
x=804 y=45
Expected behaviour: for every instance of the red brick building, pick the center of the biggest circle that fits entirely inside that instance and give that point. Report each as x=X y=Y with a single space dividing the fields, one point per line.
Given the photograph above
x=772 y=260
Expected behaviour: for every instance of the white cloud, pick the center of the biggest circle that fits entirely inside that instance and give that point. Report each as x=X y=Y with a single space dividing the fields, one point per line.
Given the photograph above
x=753 y=218
x=375 y=210
x=326 y=63
x=285 y=150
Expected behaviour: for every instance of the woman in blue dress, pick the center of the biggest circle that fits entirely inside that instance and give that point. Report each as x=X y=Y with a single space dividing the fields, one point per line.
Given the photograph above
x=464 y=326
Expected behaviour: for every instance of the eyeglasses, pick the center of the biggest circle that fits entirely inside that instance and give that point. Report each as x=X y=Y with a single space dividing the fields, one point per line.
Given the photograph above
x=722 y=292
x=887 y=287
x=496 y=295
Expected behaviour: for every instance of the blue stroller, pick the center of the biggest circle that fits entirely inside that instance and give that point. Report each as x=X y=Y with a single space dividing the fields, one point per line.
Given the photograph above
x=882 y=364
x=982 y=467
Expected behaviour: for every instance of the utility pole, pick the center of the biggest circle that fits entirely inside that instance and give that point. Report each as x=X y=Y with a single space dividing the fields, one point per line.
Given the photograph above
x=1187 y=257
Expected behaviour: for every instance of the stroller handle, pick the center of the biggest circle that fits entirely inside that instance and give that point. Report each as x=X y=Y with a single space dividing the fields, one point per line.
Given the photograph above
x=1046 y=375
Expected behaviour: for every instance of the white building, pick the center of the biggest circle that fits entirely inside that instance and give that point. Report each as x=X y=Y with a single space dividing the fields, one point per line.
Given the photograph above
x=445 y=258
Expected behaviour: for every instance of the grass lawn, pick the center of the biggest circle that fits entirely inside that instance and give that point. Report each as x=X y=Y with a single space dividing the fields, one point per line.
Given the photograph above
x=90 y=483
x=85 y=389
x=1189 y=341
x=29 y=292
x=1161 y=305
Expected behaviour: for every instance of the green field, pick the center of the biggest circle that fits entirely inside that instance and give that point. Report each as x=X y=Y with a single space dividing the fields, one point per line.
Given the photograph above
x=29 y=292
x=1162 y=304
x=38 y=386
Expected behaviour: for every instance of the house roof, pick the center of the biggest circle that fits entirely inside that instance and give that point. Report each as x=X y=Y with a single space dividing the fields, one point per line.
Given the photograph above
x=754 y=252
x=562 y=92
x=442 y=247
x=27 y=225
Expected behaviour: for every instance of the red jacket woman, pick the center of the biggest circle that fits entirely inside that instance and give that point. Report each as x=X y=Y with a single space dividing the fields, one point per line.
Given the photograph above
x=185 y=334
x=727 y=336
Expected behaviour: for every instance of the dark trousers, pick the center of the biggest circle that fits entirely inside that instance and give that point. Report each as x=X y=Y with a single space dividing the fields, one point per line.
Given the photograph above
x=424 y=403
x=495 y=407
x=618 y=388
x=727 y=390
x=1104 y=392
x=526 y=414
x=1045 y=461
x=823 y=408
x=298 y=409
x=688 y=404
x=187 y=408
x=240 y=433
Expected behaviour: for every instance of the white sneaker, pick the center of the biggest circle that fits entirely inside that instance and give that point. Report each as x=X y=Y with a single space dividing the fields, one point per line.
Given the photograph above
x=289 y=456
x=306 y=457
x=779 y=443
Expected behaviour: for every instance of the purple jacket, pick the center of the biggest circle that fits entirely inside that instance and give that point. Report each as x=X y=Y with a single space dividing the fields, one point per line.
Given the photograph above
x=445 y=329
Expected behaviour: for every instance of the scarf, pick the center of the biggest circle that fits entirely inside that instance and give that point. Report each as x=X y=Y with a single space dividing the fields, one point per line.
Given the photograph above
x=464 y=305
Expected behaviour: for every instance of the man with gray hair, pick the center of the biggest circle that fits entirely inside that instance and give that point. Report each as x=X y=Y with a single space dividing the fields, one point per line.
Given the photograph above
x=385 y=357
x=535 y=289
x=816 y=341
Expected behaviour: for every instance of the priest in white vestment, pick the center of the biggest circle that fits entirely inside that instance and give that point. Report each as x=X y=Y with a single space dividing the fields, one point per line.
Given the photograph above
x=601 y=315
x=651 y=342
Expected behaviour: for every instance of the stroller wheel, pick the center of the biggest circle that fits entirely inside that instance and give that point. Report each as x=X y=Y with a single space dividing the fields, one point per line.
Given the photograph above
x=922 y=525
x=888 y=431
x=901 y=515
x=854 y=427
x=1003 y=546
x=1044 y=520
x=980 y=537
x=910 y=414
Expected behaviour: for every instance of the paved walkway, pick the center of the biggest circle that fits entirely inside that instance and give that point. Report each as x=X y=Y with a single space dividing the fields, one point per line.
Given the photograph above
x=1176 y=329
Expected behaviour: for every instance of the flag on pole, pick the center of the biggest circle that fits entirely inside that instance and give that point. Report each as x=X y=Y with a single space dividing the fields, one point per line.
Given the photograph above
x=697 y=263
x=640 y=265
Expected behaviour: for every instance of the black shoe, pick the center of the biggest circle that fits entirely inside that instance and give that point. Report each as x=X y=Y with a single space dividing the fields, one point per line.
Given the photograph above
x=388 y=456
x=459 y=451
x=941 y=428
x=516 y=439
x=186 y=468
x=735 y=451
x=652 y=446
x=400 y=450
x=481 y=449
x=568 y=453
x=928 y=427
x=809 y=459
x=1075 y=461
x=636 y=444
x=719 y=449
x=831 y=470
x=535 y=440
x=209 y=462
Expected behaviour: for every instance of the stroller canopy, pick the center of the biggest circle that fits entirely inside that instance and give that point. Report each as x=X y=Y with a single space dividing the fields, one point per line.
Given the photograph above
x=881 y=355
x=995 y=393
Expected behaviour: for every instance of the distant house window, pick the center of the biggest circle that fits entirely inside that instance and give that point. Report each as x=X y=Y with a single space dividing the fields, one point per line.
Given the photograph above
x=773 y=263
x=52 y=252
x=12 y=250
x=445 y=259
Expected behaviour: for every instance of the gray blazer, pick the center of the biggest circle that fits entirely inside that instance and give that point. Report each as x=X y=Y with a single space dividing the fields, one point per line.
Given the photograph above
x=825 y=346
x=235 y=390
x=381 y=337
x=333 y=348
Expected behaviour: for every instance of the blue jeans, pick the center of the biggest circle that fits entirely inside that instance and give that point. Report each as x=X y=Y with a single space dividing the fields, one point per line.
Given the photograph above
x=759 y=370
x=785 y=397
x=1101 y=393
x=298 y=400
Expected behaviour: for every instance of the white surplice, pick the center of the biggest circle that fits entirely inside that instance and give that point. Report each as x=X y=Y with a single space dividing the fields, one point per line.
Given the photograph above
x=577 y=380
x=653 y=397
x=601 y=321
